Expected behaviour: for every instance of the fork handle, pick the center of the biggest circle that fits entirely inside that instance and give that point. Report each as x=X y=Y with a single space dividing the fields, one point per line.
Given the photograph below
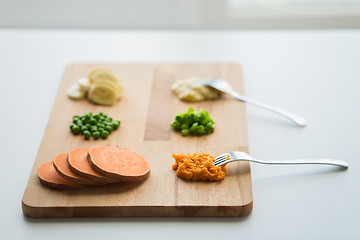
x=289 y=115
x=326 y=161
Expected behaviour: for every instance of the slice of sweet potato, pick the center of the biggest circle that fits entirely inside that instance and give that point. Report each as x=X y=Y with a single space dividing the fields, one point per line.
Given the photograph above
x=61 y=165
x=78 y=163
x=121 y=163
x=49 y=177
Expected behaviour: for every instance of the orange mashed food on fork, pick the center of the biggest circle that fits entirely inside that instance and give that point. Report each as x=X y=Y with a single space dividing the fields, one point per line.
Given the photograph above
x=197 y=166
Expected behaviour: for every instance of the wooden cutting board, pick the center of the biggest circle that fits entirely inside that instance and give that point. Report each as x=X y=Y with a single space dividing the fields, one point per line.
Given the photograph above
x=146 y=110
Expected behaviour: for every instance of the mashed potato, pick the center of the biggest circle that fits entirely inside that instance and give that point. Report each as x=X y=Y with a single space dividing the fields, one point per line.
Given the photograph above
x=191 y=90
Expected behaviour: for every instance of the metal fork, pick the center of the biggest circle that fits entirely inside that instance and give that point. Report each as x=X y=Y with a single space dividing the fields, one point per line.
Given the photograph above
x=223 y=86
x=242 y=156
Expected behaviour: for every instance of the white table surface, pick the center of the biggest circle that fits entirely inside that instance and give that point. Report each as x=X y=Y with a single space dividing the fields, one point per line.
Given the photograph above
x=313 y=73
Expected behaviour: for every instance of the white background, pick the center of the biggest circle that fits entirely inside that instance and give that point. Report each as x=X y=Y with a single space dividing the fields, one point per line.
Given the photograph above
x=180 y=14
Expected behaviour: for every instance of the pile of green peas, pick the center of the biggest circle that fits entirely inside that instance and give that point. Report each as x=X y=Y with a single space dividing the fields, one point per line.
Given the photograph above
x=98 y=125
x=195 y=123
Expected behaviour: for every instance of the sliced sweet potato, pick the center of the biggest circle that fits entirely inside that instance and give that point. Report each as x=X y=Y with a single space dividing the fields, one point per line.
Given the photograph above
x=61 y=165
x=78 y=163
x=121 y=163
x=49 y=177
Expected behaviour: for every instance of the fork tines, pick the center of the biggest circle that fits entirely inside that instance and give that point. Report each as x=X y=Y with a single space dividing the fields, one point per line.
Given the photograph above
x=219 y=160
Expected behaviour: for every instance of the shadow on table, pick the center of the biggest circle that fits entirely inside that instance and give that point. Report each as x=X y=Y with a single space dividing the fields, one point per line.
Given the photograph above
x=300 y=171
x=270 y=119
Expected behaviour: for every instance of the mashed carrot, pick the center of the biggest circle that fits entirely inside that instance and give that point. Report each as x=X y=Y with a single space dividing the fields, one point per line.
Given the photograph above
x=197 y=166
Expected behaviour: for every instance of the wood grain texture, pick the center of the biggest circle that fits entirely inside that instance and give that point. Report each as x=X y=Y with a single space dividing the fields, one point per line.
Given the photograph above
x=146 y=110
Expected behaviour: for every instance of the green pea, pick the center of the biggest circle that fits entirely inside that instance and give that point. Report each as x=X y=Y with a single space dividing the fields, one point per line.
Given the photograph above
x=185 y=132
x=71 y=126
x=116 y=124
x=109 y=128
x=93 y=121
x=205 y=122
x=93 y=128
x=97 y=117
x=84 y=128
x=86 y=134
x=82 y=118
x=201 y=130
x=105 y=134
x=108 y=119
x=179 y=117
x=79 y=123
x=209 y=128
x=184 y=126
x=101 y=113
x=194 y=128
x=75 y=129
x=96 y=134
x=175 y=125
